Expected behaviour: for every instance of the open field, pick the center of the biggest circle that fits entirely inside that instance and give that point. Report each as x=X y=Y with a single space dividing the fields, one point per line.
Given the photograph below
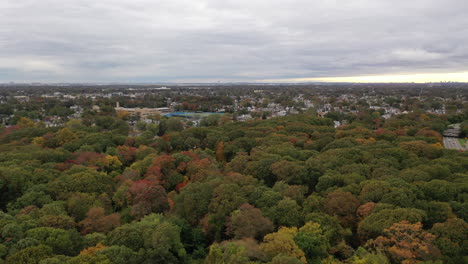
x=462 y=141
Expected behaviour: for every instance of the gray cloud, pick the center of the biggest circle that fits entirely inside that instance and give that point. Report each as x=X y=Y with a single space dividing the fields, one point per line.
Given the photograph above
x=211 y=40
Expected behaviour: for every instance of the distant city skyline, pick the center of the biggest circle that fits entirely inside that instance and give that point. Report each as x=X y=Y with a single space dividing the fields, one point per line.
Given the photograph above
x=209 y=41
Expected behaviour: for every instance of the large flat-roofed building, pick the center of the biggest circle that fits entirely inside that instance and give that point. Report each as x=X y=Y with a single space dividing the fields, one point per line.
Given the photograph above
x=143 y=112
x=453 y=131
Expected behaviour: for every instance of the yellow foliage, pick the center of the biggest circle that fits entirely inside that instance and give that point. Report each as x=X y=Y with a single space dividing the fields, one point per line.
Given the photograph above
x=74 y=124
x=91 y=251
x=365 y=141
x=220 y=152
x=64 y=136
x=39 y=141
x=24 y=122
x=331 y=260
x=282 y=242
x=311 y=227
x=112 y=162
x=156 y=117
x=424 y=117
x=122 y=114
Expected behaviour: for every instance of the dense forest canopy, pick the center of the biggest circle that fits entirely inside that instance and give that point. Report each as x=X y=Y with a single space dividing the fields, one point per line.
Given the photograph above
x=291 y=189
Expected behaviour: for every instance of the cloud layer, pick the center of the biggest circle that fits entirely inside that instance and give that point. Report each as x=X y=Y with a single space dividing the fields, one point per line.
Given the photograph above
x=212 y=40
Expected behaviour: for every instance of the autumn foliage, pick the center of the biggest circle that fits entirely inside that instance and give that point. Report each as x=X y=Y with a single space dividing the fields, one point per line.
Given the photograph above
x=407 y=243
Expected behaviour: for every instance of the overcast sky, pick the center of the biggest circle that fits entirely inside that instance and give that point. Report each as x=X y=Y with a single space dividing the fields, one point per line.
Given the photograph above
x=230 y=40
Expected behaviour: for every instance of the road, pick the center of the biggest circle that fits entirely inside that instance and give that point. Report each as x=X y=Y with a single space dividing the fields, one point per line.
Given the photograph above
x=452 y=143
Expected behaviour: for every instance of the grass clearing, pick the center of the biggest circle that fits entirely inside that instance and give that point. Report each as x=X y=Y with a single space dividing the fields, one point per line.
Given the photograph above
x=462 y=141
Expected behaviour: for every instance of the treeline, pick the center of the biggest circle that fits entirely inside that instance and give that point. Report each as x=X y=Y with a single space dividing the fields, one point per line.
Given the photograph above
x=284 y=190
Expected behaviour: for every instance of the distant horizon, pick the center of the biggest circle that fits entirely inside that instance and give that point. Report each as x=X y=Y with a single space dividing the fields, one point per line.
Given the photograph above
x=225 y=83
x=457 y=77
x=214 y=83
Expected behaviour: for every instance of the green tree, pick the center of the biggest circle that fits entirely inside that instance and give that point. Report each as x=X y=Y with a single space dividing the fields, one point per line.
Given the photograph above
x=286 y=213
x=362 y=256
x=248 y=221
x=375 y=224
x=192 y=202
x=343 y=205
x=451 y=239
x=61 y=241
x=312 y=241
x=121 y=255
x=31 y=255
x=226 y=198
